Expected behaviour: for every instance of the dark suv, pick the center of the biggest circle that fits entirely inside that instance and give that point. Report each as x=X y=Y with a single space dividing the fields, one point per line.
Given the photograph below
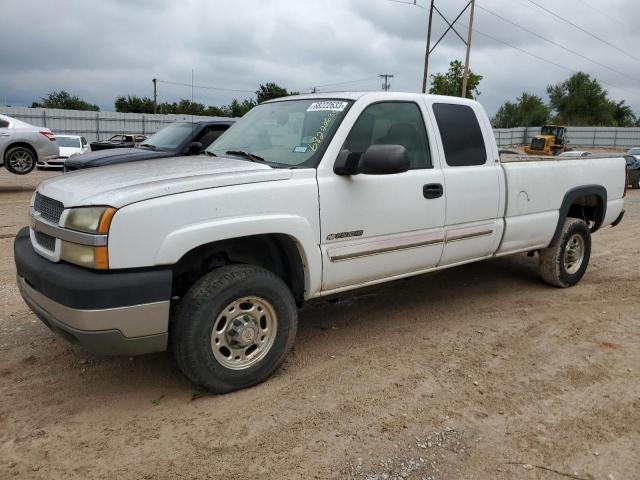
x=176 y=139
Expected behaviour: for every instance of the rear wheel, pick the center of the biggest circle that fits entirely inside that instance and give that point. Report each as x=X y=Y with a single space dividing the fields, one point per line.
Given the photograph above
x=564 y=262
x=234 y=327
x=19 y=160
x=636 y=183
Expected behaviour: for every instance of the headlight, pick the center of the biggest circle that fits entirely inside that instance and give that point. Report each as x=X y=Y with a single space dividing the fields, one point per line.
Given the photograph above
x=90 y=219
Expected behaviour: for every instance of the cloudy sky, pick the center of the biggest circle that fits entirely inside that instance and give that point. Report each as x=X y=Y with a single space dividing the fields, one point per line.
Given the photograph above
x=101 y=49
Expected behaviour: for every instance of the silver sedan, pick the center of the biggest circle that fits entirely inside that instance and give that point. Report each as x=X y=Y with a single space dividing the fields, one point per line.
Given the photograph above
x=23 y=145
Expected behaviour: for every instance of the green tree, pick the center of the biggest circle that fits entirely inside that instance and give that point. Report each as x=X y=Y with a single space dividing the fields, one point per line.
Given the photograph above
x=133 y=104
x=450 y=83
x=271 y=90
x=622 y=114
x=237 y=108
x=581 y=101
x=64 y=100
x=528 y=110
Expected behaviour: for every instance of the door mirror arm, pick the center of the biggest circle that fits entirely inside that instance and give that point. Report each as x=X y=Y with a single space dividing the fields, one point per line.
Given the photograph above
x=347 y=163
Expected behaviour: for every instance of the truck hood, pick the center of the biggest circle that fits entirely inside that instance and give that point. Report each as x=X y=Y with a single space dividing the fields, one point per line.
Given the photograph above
x=111 y=156
x=120 y=185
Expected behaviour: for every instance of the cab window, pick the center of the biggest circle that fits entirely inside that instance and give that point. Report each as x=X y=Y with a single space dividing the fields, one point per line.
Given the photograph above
x=392 y=123
x=461 y=135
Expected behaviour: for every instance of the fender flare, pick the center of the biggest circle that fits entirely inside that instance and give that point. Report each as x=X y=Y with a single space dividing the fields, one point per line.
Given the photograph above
x=185 y=239
x=588 y=190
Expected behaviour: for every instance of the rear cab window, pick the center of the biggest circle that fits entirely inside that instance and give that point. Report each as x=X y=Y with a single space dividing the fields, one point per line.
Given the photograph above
x=461 y=135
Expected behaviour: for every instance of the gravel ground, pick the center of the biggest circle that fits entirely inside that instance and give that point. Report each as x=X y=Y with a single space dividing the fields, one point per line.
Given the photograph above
x=481 y=371
x=9 y=181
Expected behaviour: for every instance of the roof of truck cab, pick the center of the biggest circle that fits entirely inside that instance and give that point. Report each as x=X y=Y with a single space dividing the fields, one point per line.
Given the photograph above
x=357 y=95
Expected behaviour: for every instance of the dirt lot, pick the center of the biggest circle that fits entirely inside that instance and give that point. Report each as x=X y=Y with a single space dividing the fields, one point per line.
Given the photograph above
x=478 y=372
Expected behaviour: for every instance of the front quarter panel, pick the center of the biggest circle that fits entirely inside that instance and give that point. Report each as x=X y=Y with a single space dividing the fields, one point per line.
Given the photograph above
x=162 y=230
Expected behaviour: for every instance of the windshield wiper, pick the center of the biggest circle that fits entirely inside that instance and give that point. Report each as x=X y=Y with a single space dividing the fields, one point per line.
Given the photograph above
x=250 y=156
x=211 y=154
x=152 y=147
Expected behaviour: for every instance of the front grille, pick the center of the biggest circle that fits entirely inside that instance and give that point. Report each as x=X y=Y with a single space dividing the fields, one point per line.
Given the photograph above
x=538 y=143
x=48 y=208
x=46 y=241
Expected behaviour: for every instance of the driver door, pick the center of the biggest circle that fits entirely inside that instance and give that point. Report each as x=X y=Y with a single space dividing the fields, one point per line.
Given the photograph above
x=379 y=226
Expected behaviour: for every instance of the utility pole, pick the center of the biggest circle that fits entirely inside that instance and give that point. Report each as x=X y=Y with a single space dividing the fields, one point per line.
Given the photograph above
x=155 y=95
x=427 y=51
x=465 y=78
x=386 y=85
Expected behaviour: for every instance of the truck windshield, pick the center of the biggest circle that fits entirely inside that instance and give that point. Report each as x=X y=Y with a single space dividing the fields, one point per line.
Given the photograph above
x=170 y=137
x=288 y=133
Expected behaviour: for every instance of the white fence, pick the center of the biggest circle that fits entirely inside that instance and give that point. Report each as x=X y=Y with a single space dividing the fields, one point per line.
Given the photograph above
x=101 y=125
x=95 y=125
x=577 y=136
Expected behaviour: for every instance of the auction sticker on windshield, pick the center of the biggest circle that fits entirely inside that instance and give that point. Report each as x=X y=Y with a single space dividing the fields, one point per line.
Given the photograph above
x=334 y=106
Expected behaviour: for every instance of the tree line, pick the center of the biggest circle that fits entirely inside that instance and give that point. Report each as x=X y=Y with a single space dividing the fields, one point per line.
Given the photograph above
x=578 y=101
x=135 y=104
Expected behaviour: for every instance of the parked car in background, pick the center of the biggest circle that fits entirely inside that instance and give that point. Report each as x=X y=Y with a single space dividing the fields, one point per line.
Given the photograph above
x=23 y=145
x=69 y=145
x=633 y=169
x=118 y=141
x=635 y=151
x=178 y=138
x=575 y=153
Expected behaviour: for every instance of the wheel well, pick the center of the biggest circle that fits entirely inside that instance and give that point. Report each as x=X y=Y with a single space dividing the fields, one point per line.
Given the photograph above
x=20 y=144
x=588 y=203
x=277 y=253
x=589 y=208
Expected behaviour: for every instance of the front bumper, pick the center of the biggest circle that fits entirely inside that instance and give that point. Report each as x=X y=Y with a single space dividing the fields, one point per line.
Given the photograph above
x=56 y=162
x=108 y=313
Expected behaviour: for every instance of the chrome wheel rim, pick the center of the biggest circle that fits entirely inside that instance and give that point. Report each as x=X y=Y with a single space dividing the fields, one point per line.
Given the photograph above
x=244 y=332
x=574 y=254
x=20 y=160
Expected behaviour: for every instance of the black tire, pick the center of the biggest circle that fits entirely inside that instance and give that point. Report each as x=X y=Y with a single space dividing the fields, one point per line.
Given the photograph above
x=556 y=265
x=636 y=183
x=200 y=312
x=19 y=160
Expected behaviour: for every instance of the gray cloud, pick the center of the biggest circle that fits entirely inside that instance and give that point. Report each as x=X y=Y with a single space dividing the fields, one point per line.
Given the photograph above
x=99 y=50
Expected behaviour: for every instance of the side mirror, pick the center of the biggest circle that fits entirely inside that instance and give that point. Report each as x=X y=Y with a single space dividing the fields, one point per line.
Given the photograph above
x=195 y=148
x=384 y=160
x=376 y=160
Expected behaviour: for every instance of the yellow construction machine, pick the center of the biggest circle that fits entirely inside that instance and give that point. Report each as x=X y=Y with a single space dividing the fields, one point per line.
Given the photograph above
x=550 y=141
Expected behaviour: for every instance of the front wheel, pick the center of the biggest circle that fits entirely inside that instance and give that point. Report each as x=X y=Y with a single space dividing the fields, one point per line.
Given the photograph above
x=564 y=262
x=19 y=160
x=234 y=327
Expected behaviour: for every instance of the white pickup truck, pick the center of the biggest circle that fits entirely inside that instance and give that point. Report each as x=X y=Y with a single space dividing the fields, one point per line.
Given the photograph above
x=304 y=197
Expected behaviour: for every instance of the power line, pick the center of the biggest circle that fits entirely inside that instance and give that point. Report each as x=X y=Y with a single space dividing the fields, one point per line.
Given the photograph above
x=343 y=83
x=569 y=22
x=542 y=58
x=602 y=12
x=558 y=44
x=203 y=87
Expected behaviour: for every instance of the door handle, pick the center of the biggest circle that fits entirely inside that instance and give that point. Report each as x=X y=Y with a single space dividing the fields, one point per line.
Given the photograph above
x=432 y=190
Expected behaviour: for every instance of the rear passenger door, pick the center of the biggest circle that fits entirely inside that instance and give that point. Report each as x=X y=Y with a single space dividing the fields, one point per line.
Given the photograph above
x=472 y=184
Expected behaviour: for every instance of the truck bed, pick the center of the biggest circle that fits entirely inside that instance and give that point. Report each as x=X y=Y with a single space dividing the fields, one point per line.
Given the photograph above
x=538 y=185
